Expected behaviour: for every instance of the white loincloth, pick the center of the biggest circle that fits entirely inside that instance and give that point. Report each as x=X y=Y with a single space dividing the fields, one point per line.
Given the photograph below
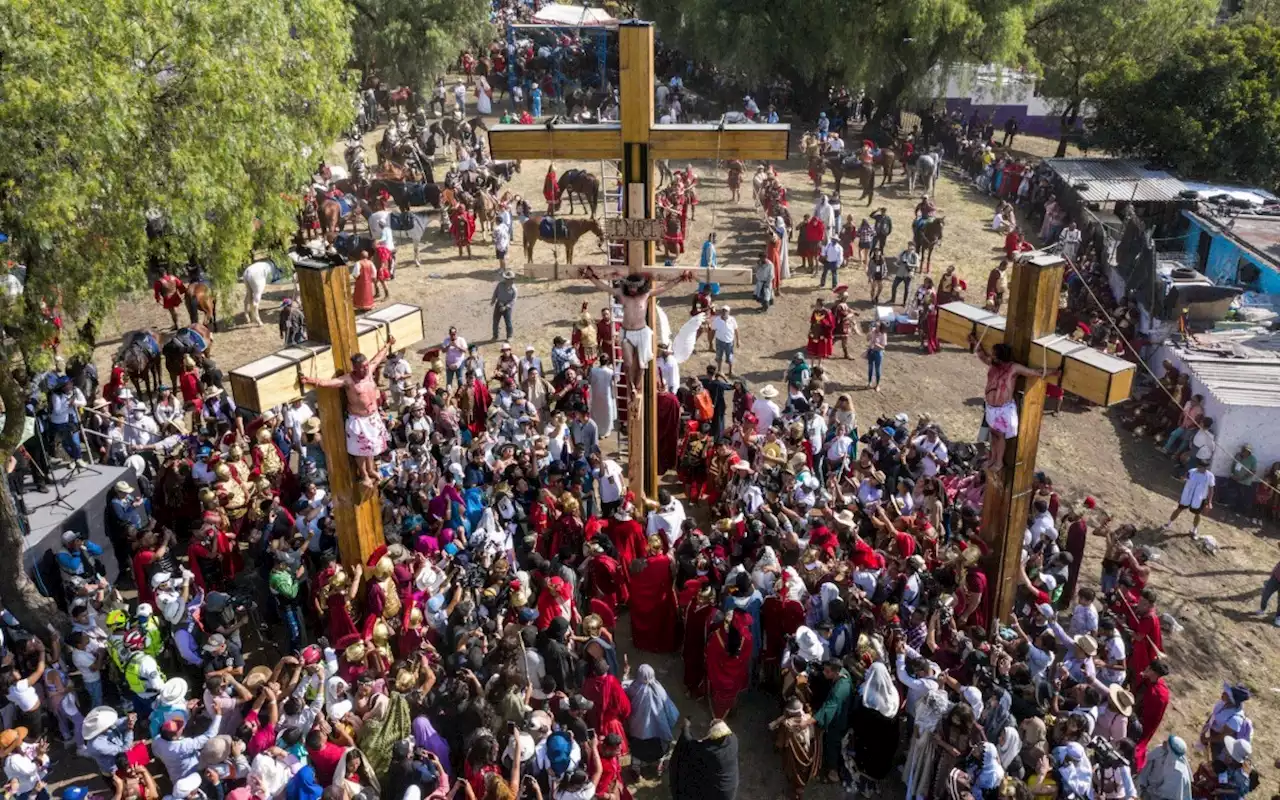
x=1003 y=419
x=366 y=436
x=641 y=341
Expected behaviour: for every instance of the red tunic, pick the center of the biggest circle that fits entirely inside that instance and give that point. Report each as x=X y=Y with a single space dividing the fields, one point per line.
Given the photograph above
x=1152 y=702
x=628 y=537
x=812 y=234
x=612 y=706
x=696 y=621
x=822 y=329
x=168 y=291
x=728 y=675
x=607 y=582
x=653 y=606
x=1147 y=639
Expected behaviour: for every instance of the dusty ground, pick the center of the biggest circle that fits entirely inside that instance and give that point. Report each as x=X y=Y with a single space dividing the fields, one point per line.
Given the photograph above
x=1083 y=450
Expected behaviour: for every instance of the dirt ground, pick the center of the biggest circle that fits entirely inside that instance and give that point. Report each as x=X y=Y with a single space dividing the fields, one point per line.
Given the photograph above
x=1083 y=449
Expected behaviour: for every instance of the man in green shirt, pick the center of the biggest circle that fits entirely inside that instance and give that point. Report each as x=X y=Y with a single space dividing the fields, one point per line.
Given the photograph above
x=833 y=716
x=285 y=583
x=1243 y=476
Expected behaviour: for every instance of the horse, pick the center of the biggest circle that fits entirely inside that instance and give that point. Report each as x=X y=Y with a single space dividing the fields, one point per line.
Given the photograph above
x=886 y=159
x=406 y=194
x=255 y=278
x=581 y=183
x=927 y=237
x=925 y=170
x=202 y=299
x=853 y=167
x=139 y=355
x=195 y=340
x=572 y=231
x=335 y=213
x=505 y=169
x=413 y=232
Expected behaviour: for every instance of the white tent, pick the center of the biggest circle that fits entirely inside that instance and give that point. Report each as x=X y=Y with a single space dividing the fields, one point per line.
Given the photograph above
x=575 y=16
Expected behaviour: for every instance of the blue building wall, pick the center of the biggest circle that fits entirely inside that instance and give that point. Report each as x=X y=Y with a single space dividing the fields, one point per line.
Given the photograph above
x=1225 y=256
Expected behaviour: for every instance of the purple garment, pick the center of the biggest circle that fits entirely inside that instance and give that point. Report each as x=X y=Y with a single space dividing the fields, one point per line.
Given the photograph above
x=428 y=738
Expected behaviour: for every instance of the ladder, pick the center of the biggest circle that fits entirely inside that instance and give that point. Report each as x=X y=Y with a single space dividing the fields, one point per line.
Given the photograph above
x=612 y=188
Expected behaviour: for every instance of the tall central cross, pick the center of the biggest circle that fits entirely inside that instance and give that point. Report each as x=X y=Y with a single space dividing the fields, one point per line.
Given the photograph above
x=637 y=142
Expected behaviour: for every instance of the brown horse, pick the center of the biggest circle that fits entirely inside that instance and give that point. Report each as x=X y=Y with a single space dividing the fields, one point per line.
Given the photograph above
x=886 y=159
x=574 y=229
x=580 y=183
x=139 y=355
x=927 y=237
x=334 y=215
x=201 y=299
x=195 y=340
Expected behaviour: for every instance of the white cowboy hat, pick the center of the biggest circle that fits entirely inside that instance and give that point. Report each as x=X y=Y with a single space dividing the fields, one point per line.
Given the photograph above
x=1121 y=699
x=769 y=392
x=123 y=487
x=212 y=392
x=845 y=519
x=1238 y=749
x=173 y=691
x=99 y=721
x=1086 y=644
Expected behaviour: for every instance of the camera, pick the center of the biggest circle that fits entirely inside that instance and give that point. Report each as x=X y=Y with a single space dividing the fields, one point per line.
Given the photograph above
x=1105 y=755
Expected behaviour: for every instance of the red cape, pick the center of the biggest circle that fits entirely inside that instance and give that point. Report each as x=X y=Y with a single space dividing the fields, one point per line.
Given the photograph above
x=653 y=606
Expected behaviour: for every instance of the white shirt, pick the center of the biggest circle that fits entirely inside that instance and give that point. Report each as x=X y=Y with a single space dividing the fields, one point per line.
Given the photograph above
x=725 y=329
x=1196 y=490
x=1113 y=652
x=1043 y=526
x=168 y=410
x=84 y=660
x=24 y=696
x=501 y=238
x=294 y=417
x=833 y=253
x=536 y=669
x=142 y=431
x=766 y=412
x=667 y=521
x=1084 y=620
x=816 y=430
x=838 y=448
x=27 y=772
x=610 y=475
x=62 y=406
x=933 y=454
x=1203 y=442
x=669 y=368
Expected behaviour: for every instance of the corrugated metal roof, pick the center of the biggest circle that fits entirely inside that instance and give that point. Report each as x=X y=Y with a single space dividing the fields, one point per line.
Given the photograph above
x=1114 y=179
x=1238 y=381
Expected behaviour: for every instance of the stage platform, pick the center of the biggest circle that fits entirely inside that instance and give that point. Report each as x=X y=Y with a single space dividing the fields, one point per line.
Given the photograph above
x=87 y=494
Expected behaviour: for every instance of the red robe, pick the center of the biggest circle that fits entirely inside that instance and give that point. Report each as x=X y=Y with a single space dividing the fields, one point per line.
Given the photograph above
x=607 y=582
x=551 y=602
x=728 y=675
x=141 y=560
x=822 y=330
x=696 y=621
x=612 y=706
x=1152 y=702
x=778 y=619
x=550 y=187
x=611 y=773
x=628 y=537
x=668 y=431
x=1147 y=639
x=653 y=606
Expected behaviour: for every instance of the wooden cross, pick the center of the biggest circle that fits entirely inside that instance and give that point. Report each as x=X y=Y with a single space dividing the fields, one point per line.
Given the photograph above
x=637 y=142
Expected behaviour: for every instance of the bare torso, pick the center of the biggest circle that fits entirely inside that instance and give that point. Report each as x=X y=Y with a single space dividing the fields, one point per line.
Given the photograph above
x=362 y=395
x=999 y=384
x=635 y=311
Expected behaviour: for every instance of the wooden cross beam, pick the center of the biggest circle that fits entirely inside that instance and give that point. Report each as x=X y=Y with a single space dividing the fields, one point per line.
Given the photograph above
x=636 y=141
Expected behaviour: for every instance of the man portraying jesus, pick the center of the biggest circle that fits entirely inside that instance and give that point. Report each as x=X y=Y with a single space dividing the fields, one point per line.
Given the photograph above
x=1002 y=410
x=633 y=292
x=366 y=432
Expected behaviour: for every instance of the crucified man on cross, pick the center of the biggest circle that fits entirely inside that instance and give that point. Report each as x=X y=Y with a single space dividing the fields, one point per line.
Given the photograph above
x=366 y=432
x=633 y=292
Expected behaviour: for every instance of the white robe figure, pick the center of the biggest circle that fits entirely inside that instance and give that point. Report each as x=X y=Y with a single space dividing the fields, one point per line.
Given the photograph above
x=604 y=409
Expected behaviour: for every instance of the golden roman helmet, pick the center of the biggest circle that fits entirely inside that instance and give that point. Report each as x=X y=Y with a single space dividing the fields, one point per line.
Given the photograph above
x=381 y=633
x=354 y=652
x=235 y=453
x=655 y=545
x=263 y=435
x=592 y=624
x=415 y=617
x=222 y=472
x=383 y=569
x=208 y=498
x=407 y=677
x=339 y=579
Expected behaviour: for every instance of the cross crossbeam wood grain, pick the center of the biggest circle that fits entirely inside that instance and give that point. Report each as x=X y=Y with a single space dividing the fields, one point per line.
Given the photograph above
x=636 y=141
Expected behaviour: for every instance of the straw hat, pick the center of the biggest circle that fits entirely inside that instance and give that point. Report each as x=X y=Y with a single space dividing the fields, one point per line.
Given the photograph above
x=10 y=739
x=769 y=391
x=845 y=519
x=211 y=392
x=123 y=487
x=312 y=425
x=257 y=677
x=1121 y=700
x=1087 y=645
x=99 y=721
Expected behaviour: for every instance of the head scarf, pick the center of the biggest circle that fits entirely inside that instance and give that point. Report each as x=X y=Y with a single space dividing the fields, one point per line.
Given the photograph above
x=1010 y=746
x=763 y=578
x=828 y=592
x=997 y=718
x=990 y=774
x=809 y=644
x=878 y=691
x=973 y=697
x=336 y=707
x=652 y=712
x=1078 y=777
x=303 y=786
x=428 y=738
x=931 y=709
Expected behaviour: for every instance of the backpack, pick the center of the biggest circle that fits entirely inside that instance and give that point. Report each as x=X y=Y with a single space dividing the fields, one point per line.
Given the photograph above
x=703 y=407
x=694 y=453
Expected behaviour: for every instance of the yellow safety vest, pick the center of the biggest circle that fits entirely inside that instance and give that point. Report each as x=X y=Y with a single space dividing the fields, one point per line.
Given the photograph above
x=136 y=684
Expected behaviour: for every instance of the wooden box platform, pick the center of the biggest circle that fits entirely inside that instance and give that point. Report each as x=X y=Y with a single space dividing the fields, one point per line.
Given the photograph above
x=273 y=380
x=727 y=276
x=1088 y=373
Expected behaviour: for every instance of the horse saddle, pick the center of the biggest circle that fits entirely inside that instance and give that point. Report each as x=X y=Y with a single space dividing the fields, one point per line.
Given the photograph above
x=417 y=193
x=346 y=203
x=191 y=340
x=345 y=242
x=849 y=163
x=402 y=221
x=552 y=228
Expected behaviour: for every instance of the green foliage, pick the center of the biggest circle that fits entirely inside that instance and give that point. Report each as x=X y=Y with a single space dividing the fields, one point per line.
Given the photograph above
x=212 y=111
x=1210 y=109
x=873 y=43
x=1075 y=41
x=410 y=42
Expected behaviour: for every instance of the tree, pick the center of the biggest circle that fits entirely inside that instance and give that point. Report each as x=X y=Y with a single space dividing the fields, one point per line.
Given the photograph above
x=409 y=42
x=211 y=112
x=1075 y=41
x=886 y=47
x=1210 y=109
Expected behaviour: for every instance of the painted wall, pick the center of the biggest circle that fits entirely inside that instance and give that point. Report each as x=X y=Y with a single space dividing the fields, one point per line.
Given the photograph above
x=1224 y=259
x=994 y=92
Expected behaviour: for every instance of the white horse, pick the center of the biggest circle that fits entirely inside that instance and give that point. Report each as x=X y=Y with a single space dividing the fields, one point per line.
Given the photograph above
x=378 y=220
x=926 y=170
x=255 y=278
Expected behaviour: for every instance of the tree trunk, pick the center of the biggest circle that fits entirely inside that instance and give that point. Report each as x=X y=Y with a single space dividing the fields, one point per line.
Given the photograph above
x=35 y=611
x=1066 y=126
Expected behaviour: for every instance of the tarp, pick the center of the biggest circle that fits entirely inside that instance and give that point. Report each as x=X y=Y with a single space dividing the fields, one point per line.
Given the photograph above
x=576 y=16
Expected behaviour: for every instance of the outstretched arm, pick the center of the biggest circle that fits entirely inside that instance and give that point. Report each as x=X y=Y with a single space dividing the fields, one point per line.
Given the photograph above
x=1030 y=372
x=381 y=355
x=323 y=383
x=591 y=275
x=669 y=285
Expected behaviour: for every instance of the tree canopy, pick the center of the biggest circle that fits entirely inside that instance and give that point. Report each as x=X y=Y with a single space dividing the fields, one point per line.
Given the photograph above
x=885 y=47
x=409 y=42
x=1210 y=108
x=210 y=112
x=1076 y=41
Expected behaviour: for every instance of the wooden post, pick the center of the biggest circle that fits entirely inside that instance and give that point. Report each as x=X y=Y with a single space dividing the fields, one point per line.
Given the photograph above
x=1033 y=312
x=326 y=302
